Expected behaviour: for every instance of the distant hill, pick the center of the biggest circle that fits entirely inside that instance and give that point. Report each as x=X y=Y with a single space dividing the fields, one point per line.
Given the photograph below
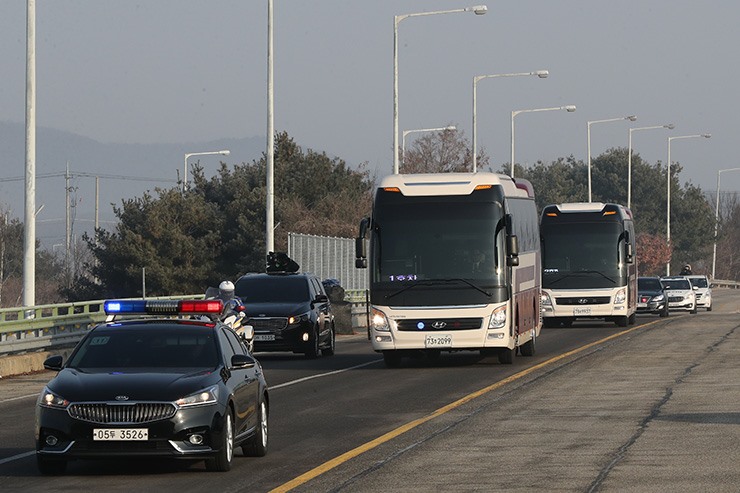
x=161 y=163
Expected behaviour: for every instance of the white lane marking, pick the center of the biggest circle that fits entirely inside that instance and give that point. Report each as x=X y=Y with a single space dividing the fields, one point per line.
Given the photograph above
x=19 y=398
x=16 y=457
x=335 y=372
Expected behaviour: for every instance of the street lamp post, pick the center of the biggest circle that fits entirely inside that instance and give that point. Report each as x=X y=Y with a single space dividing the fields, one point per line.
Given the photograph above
x=588 y=139
x=668 y=193
x=716 y=220
x=209 y=153
x=542 y=74
x=406 y=132
x=29 y=234
x=478 y=10
x=669 y=126
x=569 y=108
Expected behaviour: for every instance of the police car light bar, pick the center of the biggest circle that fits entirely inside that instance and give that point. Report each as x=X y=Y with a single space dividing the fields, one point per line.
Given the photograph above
x=162 y=307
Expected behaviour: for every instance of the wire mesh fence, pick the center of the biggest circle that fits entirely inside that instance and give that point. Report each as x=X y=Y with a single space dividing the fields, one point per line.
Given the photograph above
x=329 y=258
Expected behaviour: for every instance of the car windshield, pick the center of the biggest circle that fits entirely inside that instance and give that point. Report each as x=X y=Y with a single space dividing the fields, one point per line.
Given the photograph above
x=272 y=289
x=678 y=284
x=147 y=346
x=699 y=282
x=648 y=284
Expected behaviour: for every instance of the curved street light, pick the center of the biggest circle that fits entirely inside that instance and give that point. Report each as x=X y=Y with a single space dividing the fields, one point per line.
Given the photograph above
x=668 y=187
x=542 y=74
x=569 y=108
x=406 y=132
x=588 y=138
x=209 y=153
x=477 y=10
x=669 y=126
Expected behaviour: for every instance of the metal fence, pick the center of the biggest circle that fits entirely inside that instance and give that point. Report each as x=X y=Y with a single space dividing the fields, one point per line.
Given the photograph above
x=328 y=257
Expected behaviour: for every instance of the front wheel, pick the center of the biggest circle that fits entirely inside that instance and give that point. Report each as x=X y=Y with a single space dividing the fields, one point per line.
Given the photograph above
x=313 y=351
x=709 y=308
x=693 y=310
x=329 y=351
x=506 y=356
x=222 y=461
x=621 y=321
x=257 y=445
x=529 y=347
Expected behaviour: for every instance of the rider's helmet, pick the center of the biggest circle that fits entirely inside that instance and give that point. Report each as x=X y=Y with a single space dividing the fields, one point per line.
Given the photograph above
x=226 y=290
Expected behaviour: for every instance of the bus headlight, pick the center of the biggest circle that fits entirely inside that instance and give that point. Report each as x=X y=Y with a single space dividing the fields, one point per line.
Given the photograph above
x=498 y=318
x=379 y=321
x=620 y=297
x=545 y=299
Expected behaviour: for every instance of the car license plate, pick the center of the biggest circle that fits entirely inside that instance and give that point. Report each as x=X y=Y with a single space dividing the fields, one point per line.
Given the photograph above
x=584 y=310
x=264 y=337
x=642 y=305
x=121 y=434
x=438 y=341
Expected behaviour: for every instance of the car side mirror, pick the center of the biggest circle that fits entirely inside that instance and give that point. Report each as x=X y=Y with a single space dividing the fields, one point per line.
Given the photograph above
x=242 y=361
x=321 y=298
x=696 y=288
x=53 y=363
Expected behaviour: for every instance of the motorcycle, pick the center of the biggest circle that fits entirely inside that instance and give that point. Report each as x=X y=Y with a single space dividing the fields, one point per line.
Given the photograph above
x=234 y=315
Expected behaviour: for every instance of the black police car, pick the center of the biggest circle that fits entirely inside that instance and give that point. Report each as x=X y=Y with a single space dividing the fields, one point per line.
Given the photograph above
x=182 y=387
x=289 y=311
x=651 y=296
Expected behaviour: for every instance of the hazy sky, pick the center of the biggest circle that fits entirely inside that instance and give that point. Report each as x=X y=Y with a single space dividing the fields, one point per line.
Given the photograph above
x=155 y=71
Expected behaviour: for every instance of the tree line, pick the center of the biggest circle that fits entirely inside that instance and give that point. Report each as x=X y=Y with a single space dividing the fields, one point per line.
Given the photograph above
x=183 y=241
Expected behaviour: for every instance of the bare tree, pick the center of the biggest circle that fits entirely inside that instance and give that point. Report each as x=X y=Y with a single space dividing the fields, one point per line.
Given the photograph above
x=441 y=152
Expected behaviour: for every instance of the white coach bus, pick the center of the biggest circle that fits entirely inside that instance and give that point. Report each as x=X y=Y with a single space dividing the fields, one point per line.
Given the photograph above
x=589 y=265
x=454 y=265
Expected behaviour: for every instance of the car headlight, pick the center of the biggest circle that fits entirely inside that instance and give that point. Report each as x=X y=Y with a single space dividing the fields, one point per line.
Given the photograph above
x=545 y=299
x=660 y=297
x=688 y=296
x=379 y=321
x=51 y=400
x=620 y=296
x=498 y=318
x=200 y=398
x=296 y=319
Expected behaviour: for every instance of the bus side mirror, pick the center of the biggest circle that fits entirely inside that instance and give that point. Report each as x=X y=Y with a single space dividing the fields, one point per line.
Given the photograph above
x=361 y=246
x=512 y=250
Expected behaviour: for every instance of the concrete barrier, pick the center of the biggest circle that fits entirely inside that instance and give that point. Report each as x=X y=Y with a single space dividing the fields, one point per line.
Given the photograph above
x=21 y=364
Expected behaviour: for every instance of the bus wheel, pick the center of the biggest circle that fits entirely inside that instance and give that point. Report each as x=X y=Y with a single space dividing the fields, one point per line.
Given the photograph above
x=506 y=356
x=632 y=319
x=550 y=323
x=392 y=359
x=621 y=321
x=528 y=348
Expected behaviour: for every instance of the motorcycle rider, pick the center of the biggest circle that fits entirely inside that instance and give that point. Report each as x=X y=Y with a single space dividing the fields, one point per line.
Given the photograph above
x=686 y=271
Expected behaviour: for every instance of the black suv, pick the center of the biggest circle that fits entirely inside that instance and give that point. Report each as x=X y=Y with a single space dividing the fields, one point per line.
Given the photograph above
x=289 y=312
x=651 y=296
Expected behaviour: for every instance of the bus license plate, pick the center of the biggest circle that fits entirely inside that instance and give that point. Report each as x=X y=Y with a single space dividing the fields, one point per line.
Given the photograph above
x=438 y=341
x=121 y=434
x=585 y=310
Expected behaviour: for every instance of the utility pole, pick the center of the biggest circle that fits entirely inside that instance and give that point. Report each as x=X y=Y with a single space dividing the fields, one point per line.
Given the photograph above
x=29 y=228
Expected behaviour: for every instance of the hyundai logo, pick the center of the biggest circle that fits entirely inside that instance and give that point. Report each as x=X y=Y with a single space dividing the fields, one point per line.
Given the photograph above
x=583 y=301
x=439 y=324
x=121 y=397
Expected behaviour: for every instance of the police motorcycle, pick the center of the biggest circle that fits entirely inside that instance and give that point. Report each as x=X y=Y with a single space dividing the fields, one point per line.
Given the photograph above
x=233 y=313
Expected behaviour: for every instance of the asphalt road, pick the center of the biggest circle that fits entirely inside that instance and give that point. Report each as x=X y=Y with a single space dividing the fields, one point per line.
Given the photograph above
x=599 y=408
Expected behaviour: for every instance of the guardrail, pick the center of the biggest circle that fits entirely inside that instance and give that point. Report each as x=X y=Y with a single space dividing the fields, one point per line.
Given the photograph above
x=719 y=283
x=45 y=326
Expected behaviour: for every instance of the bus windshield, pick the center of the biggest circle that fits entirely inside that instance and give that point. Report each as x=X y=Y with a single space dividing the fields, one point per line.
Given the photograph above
x=445 y=243
x=582 y=255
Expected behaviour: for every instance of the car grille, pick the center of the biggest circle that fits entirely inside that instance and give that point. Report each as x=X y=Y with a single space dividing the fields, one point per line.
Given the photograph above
x=133 y=413
x=584 y=300
x=675 y=299
x=273 y=324
x=440 y=324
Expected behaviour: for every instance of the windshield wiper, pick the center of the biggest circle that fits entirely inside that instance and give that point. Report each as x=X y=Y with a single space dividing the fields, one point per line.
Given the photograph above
x=432 y=282
x=468 y=283
x=585 y=272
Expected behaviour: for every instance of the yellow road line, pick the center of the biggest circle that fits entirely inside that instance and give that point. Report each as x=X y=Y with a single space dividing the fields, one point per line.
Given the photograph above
x=339 y=460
